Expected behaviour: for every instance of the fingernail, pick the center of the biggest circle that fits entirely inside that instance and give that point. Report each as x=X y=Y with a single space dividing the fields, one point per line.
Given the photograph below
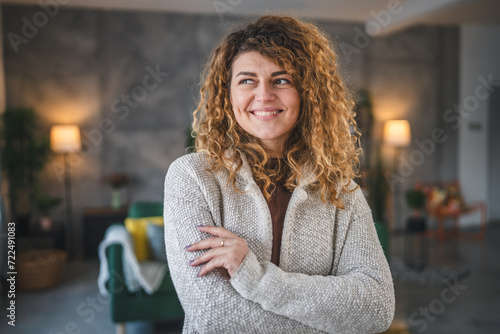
x=190 y=261
x=200 y=225
x=188 y=246
x=198 y=275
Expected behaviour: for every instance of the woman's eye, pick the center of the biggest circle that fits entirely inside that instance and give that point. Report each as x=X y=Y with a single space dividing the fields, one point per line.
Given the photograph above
x=246 y=81
x=282 y=81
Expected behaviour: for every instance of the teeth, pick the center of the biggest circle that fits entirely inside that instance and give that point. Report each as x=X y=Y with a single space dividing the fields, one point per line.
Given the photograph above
x=265 y=113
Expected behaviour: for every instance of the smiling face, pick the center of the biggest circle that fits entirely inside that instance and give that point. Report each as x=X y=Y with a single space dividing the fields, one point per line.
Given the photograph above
x=265 y=102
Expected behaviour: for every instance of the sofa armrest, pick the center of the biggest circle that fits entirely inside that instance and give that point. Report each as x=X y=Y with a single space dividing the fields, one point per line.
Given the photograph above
x=140 y=306
x=116 y=281
x=116 y=284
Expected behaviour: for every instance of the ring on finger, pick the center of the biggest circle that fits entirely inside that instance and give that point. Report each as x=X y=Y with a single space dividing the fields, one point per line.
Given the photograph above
x=222 y=242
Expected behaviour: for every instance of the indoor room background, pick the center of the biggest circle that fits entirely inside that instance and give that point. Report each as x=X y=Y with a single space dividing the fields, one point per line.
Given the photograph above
x=129 y=79
x=91 y=68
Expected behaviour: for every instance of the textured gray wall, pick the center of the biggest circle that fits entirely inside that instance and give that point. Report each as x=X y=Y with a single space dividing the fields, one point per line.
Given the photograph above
x=88 y=67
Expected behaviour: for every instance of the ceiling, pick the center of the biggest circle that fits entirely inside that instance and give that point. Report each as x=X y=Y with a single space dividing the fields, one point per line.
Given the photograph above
x=404 y=12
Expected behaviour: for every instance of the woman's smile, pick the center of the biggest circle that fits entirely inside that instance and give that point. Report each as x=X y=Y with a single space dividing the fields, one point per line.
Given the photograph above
x=265 y=114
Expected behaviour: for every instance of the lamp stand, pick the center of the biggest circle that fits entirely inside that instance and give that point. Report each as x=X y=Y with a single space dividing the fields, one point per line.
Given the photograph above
x=396 y=194
x=69 y=208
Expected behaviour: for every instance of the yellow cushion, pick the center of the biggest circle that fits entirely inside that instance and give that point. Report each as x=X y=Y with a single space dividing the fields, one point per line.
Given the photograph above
x=137 y=229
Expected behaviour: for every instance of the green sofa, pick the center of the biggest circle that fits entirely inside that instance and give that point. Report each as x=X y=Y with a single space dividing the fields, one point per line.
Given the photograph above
x=125 y=306
x=383 y=237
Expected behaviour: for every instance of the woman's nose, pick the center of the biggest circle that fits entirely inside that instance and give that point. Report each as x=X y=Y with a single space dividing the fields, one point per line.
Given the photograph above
x=264 y=93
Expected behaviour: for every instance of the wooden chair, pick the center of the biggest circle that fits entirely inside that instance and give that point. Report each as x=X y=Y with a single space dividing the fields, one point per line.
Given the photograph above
x=445 y=201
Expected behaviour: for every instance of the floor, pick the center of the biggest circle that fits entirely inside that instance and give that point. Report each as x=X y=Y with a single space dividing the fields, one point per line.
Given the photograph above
x=463 y=295
x=73 y=307
x=425 y=301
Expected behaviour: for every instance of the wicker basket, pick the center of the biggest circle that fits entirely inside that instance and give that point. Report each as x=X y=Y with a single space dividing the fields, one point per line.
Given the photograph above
x=40 y=268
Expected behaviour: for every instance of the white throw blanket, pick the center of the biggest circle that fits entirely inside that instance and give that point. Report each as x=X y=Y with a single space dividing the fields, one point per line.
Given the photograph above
x=147 y=275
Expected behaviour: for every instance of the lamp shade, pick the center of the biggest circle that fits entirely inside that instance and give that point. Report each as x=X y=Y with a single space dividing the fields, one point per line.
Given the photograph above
x=397 y=133
x=65 y=138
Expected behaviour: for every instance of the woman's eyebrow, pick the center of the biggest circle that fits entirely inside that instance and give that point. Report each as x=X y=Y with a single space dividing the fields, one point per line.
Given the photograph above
x=275 y=74
x=251 y=74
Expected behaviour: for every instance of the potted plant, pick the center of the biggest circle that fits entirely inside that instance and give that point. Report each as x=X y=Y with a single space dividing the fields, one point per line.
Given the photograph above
x=364 y=121
x=377 y=188
x=45 y=204
x=117 y=180
x=416 y=224
x=190 y=140
x=415 y=198
x=372 y=167
x=24 y=153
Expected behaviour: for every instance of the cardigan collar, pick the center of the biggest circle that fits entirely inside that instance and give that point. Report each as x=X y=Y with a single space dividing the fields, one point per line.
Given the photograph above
x=307 y=176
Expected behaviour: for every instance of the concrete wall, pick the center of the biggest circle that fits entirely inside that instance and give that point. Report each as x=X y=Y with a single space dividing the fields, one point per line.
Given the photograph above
x=94 y=68
x=479 y=68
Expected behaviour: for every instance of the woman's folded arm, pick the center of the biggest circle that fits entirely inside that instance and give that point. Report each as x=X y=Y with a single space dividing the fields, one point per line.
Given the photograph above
x=210 y=303
x=359 y=298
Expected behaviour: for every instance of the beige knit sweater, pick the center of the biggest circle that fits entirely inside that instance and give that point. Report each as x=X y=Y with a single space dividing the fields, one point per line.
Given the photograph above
x=333 y=276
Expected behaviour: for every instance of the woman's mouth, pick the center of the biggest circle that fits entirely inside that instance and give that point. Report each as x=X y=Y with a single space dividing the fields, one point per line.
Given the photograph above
x=265 y=112
x=266 y=115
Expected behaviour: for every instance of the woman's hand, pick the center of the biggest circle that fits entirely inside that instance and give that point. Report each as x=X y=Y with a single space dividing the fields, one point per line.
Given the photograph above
x=225 y=250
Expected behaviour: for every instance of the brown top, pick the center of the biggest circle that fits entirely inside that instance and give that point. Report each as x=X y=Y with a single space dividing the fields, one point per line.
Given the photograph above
x=278 y=204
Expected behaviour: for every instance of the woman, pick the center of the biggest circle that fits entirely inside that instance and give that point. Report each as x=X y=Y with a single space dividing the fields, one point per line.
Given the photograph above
x=265 y=230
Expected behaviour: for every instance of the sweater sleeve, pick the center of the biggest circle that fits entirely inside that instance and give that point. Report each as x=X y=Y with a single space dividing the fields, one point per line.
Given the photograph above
x=210 y=303
x=358 y=298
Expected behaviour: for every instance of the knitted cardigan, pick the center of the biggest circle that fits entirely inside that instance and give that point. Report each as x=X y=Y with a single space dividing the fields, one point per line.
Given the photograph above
x=333 y=276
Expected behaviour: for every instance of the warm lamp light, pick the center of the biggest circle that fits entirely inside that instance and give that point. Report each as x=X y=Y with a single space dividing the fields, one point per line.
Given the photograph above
x=397 y=133
x=65 y=138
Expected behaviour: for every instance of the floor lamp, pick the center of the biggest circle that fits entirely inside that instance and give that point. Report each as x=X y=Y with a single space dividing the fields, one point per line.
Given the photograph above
x=398 y=135
x=65 y=139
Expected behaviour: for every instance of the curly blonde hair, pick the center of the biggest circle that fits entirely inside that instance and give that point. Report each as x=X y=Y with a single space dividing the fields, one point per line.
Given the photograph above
x=325 y=136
